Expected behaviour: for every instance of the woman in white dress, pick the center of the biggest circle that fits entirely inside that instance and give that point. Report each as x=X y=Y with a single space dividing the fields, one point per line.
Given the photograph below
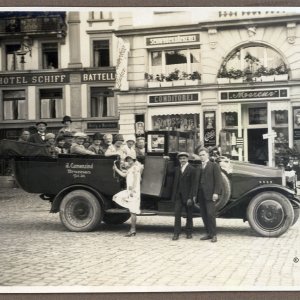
x=131 y=197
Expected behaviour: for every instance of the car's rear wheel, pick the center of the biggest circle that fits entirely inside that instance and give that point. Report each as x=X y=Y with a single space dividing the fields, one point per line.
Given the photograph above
x=296 y=215
x=80 y=210
x=115 y=219
x=270 y=214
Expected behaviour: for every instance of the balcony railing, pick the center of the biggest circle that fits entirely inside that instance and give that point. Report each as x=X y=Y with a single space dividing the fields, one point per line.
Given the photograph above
x=30 y=25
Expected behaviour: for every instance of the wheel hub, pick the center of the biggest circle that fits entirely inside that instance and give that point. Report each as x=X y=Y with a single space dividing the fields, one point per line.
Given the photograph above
x=269 y=214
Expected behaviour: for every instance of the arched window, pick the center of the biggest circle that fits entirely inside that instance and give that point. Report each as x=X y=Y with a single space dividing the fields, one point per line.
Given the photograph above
x=252 y=60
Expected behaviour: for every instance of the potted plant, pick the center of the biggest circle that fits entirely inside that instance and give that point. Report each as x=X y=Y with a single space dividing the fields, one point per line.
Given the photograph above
x=235 y=75
x=222 y=77
x=265 y=74
x=281 y=73
x=153 y=82
x=175 y=78
x=193 y=79
x=166 y=81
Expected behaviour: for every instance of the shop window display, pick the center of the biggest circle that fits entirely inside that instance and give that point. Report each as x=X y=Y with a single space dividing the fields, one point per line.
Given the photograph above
x=186 y=122
x=281 y=141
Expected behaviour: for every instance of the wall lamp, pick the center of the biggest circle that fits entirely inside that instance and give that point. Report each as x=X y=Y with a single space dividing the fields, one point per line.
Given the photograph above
x=26 y=47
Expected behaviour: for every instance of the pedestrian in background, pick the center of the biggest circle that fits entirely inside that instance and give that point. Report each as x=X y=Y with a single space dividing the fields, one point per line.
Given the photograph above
x=183 y=194
x=209 y=181
x=131 y=197
x=140 y=147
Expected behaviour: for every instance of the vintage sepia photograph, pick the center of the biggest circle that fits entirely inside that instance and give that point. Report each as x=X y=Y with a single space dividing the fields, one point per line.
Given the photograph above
x=149 y=150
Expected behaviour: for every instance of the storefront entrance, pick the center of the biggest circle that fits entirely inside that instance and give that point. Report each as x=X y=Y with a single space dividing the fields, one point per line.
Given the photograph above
x=257 y=146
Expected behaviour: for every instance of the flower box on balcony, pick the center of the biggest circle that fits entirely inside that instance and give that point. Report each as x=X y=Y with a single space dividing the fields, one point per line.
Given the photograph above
x=281 y=77
x=223 y=80
x=267 y=78
x=153 y=84
x=166 y=83
x=178 y=82
x=237 y=80
x=191 y=82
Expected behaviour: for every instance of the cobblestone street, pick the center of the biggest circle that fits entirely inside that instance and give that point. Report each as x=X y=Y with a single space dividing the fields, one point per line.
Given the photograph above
x=37 y=250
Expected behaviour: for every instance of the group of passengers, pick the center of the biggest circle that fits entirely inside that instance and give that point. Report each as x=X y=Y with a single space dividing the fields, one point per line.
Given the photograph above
x=70 y=141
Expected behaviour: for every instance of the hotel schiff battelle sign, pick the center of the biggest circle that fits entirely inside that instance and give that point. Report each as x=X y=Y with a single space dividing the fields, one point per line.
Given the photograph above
x=31 y=78
x=254 y=94
x=169 y=99
x=172 y=39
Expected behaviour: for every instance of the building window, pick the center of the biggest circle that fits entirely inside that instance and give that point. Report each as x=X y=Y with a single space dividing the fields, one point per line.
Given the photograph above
x=101 y=15
x=14 y=105
x=12 y=59
x=50 y=55
x=101 y=53
x=103 y=103
x=253 y=58
x=51 y=103
x=166 y=61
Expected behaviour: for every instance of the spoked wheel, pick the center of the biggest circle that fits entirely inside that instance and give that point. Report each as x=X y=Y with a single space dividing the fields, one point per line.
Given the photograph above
x=270 y=214
x=80 y=210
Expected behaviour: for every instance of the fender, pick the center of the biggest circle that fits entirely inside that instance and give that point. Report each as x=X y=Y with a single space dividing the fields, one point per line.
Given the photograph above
x=58 y=198
x=289 y=193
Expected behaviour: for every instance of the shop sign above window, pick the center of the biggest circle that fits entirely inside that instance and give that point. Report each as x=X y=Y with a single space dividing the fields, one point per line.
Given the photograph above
x=254 y=94
x=173 y=98
x=172 y=39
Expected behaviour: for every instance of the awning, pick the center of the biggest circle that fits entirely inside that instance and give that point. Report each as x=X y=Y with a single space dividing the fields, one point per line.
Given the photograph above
x=174 y=110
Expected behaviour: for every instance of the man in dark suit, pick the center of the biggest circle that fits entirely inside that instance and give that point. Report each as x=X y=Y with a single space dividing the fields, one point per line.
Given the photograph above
x=39 y=137
x=209 y=180
x=183 y=193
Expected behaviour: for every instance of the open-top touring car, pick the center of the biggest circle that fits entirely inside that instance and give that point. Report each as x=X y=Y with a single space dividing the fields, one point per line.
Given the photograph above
x=80 y=187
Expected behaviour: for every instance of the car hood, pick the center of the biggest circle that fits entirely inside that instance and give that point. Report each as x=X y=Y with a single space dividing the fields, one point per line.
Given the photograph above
x=248 y=169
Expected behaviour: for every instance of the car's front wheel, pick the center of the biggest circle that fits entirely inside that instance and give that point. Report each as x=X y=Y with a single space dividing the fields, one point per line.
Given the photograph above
x=80 y=210
x=270 y=214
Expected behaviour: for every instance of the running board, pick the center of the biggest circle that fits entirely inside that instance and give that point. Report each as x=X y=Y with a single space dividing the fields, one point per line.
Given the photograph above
x=126 y=211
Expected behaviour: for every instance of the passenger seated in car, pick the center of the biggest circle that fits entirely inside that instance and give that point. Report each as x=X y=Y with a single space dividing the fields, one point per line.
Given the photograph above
x=77 y=147
x=107 y=141
x=25 y=135
x=95 y=146
x=50 y=142
x=60 y=142
x=117 y=147
x=68 y=136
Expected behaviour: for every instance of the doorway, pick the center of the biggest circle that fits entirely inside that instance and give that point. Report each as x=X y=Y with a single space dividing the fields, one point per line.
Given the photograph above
x=257 y=146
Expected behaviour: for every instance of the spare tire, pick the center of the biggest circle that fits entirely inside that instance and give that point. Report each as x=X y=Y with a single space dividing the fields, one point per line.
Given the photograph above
x=226 y=192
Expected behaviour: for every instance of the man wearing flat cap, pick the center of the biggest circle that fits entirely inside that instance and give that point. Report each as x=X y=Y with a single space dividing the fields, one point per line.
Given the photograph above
x=39 y=136
x=183 y=194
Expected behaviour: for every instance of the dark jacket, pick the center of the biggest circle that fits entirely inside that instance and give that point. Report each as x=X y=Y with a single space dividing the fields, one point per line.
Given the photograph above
x=184 y=184
x=36 y=138
x=209 y=180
